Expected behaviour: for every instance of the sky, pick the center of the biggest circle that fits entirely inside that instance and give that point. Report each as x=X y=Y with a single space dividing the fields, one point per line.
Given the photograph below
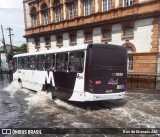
x=11 y=15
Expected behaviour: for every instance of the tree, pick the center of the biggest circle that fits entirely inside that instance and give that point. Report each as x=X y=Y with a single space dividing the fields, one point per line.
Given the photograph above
x=23 y=48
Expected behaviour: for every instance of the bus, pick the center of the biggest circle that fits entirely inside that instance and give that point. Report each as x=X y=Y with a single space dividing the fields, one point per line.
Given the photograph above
x=89 y=72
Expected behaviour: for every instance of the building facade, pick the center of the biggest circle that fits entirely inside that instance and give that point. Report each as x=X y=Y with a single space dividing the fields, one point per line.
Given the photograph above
x=134 y=24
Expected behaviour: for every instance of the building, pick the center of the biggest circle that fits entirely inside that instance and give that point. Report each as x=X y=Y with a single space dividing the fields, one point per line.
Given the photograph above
x=134 y=24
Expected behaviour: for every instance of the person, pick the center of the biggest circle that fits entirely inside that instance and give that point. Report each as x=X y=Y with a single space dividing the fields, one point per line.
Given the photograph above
x=52 y=65
x=71 y=67
x=57 y=66
x=10 y=64
x=43 y=64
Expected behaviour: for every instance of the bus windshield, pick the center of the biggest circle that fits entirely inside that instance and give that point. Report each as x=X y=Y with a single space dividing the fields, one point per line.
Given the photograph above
x=102 y=57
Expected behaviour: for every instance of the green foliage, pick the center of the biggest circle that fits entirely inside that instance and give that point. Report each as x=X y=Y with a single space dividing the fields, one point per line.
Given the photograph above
x=21 y=49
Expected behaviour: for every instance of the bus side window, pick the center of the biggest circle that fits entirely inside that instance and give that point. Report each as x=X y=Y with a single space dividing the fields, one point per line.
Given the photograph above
x=41 y=62
x=26 y=63
x=61 y=61
x=33 y=63
x=50 y=61
x=14 y=64
x=20 y=63
x=76 y=61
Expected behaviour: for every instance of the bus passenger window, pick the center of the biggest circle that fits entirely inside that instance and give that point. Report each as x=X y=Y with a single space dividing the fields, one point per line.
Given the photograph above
x=50 y=60
x=20 y=63
x=26 y=63
x=61 y=62
x=33 y=63
x=76 y=61
x=41 y=62
x=14 y=64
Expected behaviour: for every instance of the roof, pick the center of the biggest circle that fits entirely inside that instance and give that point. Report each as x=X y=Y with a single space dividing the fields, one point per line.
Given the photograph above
x=8 y=48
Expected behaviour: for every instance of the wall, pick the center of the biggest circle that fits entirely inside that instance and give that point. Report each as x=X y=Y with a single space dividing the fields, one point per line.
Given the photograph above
x=142 y=36
x=31 y=46
x=27 y=16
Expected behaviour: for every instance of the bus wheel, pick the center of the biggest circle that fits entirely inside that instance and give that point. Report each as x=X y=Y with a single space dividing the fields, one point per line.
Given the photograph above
x=20 y=84
x=50 y=90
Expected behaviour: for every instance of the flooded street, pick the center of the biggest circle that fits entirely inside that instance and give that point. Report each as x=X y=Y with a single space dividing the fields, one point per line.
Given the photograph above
x=22 y=108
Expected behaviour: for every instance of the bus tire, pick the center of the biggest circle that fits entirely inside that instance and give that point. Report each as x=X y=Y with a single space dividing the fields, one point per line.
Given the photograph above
x=50 y=90
x=20 y=83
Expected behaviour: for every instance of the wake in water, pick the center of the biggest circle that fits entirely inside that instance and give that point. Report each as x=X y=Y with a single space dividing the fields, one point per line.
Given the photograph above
x=36 y=99
x=14 y=88
x=39 y=100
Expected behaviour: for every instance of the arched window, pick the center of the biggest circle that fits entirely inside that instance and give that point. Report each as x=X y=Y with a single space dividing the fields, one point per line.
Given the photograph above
x=57 y=11
x=107 y=5
x=45 y=15
x=34 y=17
x=130 y=49
x=88 y=7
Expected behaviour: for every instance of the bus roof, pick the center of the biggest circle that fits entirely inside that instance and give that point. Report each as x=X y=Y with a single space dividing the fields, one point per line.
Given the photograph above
x=65 y=49
x=56 y=50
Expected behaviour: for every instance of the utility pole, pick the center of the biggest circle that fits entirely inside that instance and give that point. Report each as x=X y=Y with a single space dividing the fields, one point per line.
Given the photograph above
x=10 y=36
x=3 y=40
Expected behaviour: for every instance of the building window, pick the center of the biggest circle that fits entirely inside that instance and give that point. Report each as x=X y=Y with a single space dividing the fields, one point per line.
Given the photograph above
x=46 y=19
x=35 y=21
x=106 y=34
x=58 y=15
x=57 y=11
x=59 y=41
x=130 y=62
x=88 y=37
x=37 y=42
x=88 y=7
x=107 y=5
x=44 y=11
x=127 y=32
x=130 y=58
x=128 y=2
x=47 y=41
x=34 y=17
x=72 y=11
x=73 y=39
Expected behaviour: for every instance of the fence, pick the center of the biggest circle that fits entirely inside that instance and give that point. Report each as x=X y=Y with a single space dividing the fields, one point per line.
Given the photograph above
x=144 y=75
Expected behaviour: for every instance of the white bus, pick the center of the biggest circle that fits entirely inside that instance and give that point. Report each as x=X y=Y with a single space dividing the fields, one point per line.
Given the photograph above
x=90 y=72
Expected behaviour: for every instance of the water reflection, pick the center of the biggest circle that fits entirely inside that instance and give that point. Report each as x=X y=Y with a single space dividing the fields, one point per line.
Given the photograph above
x=5 y=79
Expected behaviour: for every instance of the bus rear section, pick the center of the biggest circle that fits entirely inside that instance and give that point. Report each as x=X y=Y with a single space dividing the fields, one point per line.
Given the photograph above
x=106 y=72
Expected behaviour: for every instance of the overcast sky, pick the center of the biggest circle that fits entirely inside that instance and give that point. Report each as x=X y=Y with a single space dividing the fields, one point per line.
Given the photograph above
x=11 y=15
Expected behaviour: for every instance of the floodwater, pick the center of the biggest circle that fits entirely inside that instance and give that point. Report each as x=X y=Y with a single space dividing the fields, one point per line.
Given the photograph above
x=22 y=108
